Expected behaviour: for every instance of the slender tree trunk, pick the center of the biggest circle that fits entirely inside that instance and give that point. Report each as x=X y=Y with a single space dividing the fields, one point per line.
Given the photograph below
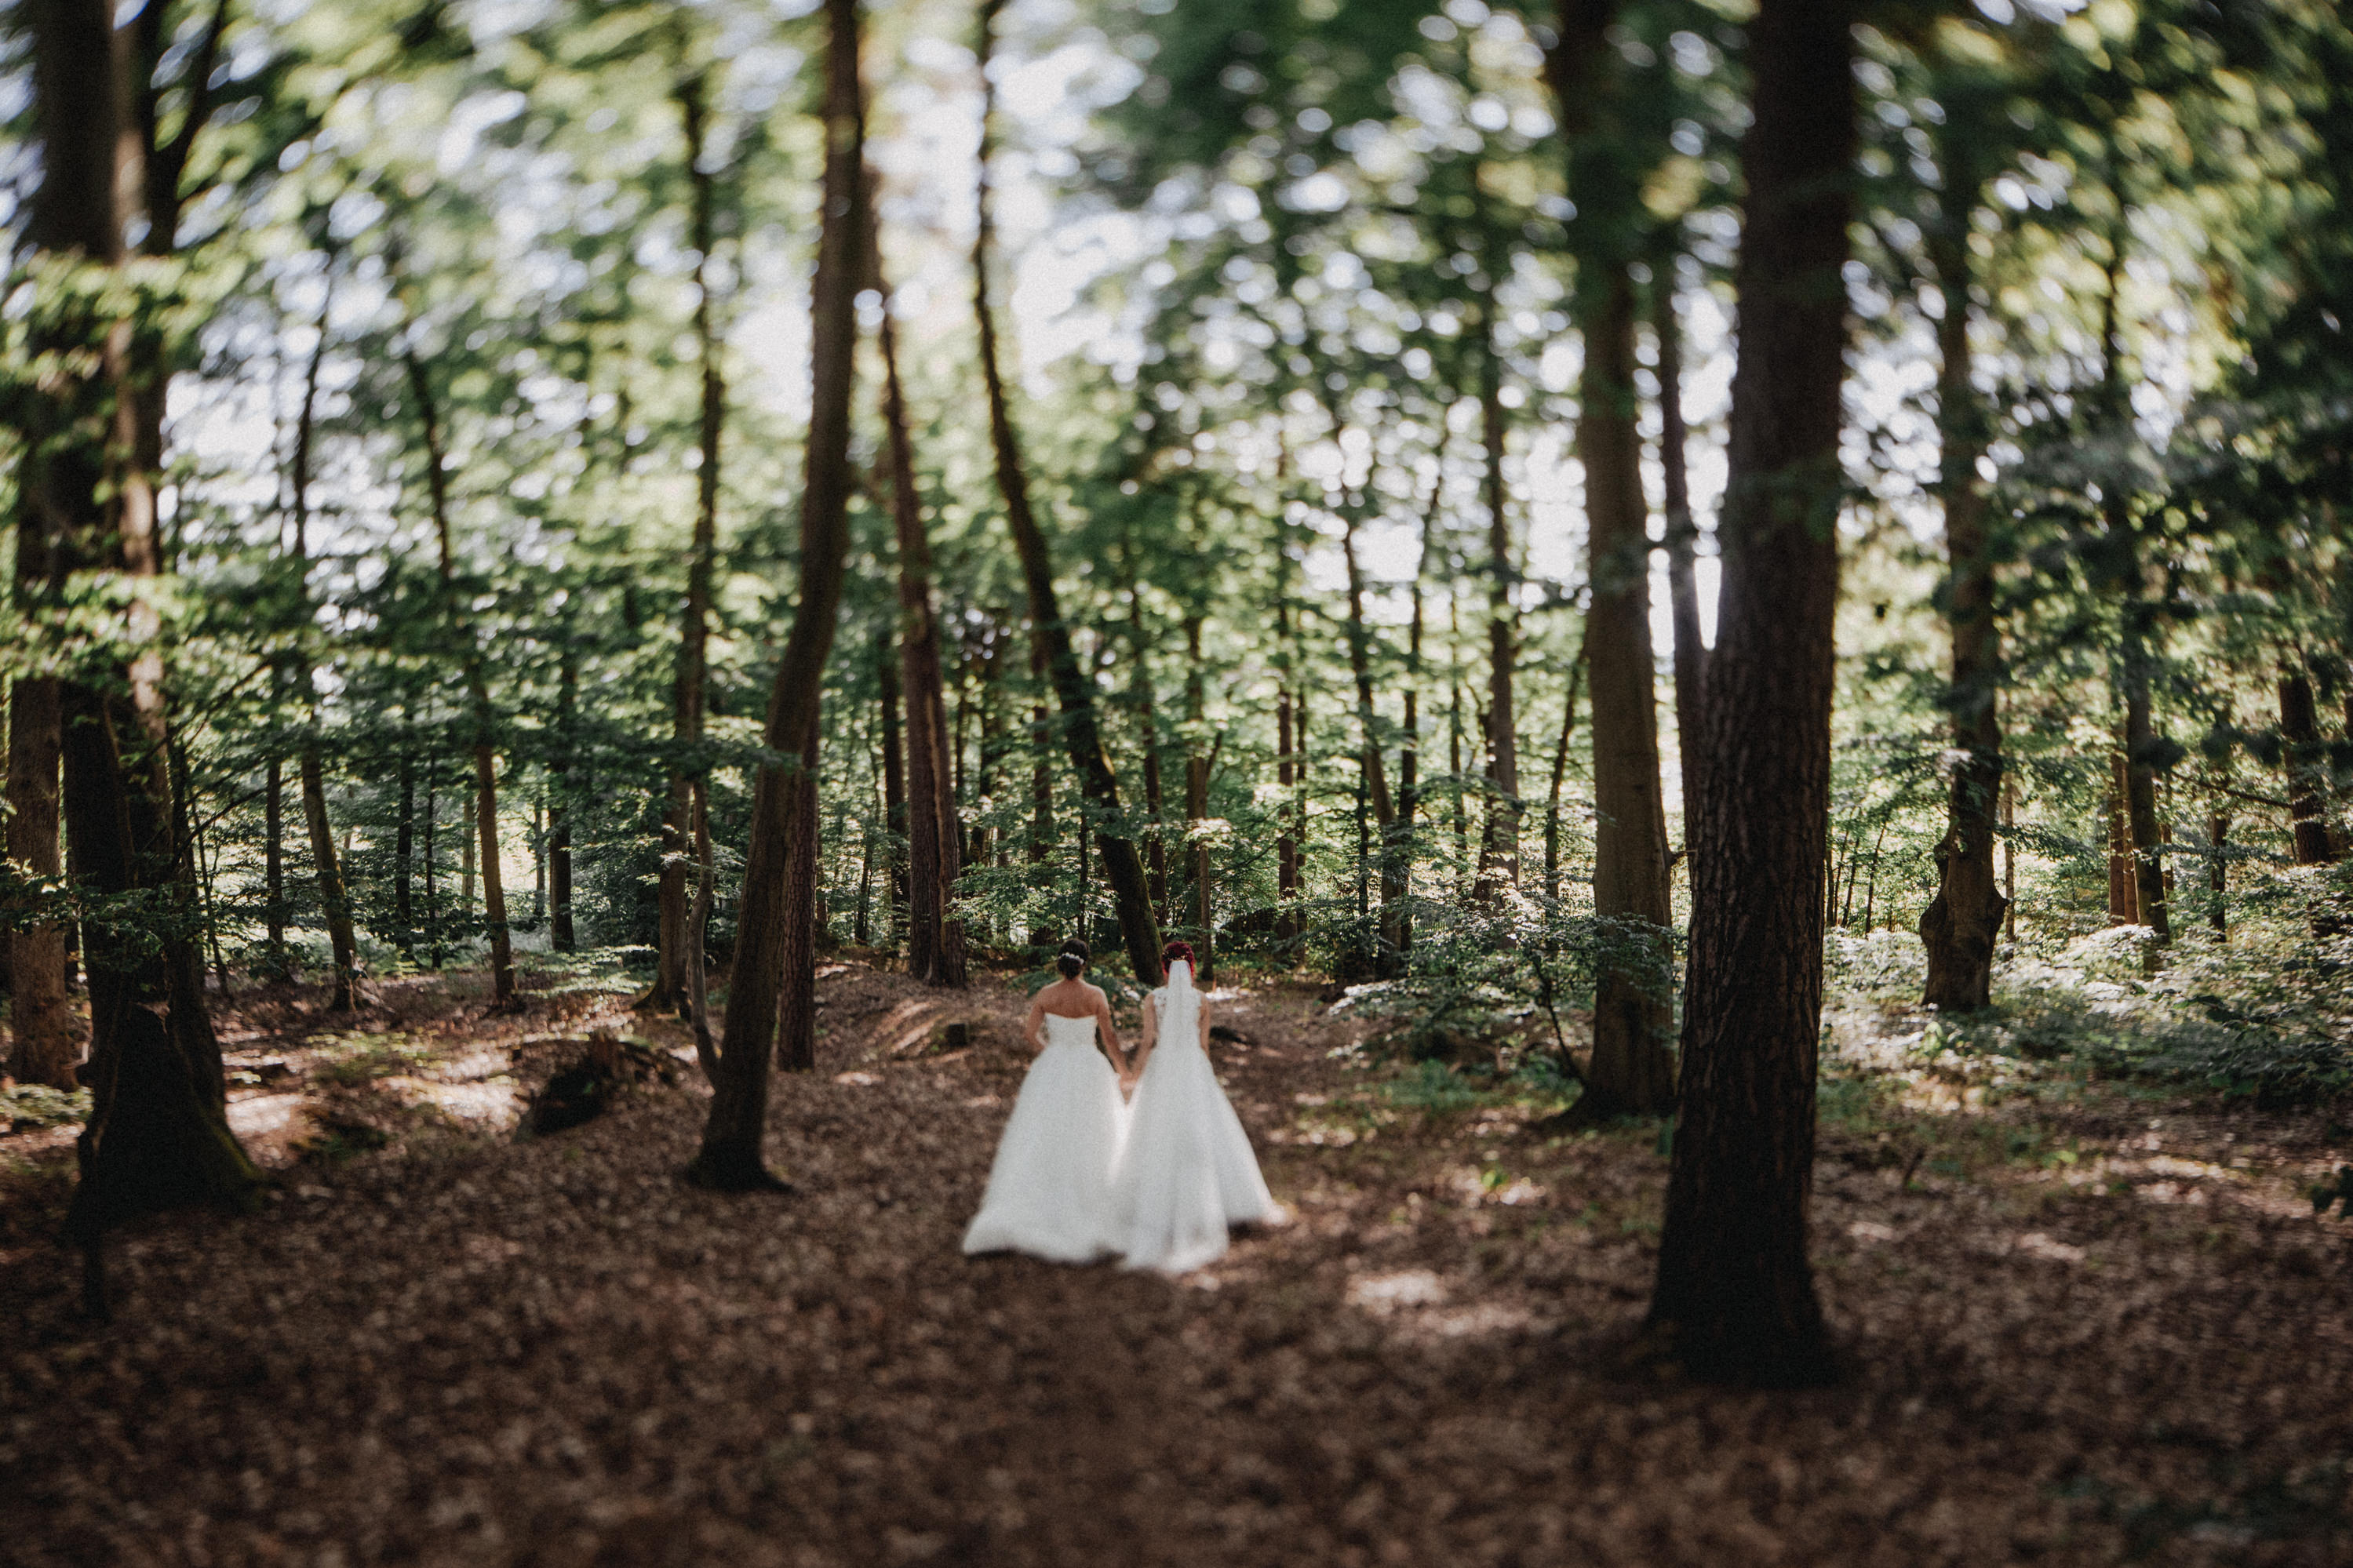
x=1632 y=1070
x=273 y=868
x=562 y=936
x=484 y=828
x=404 y=850
x=1559 y=774
x=1155 y=856
x=466 y=841
x=2218 y=880
x=2140 y=789
x=1499 y=848
x=1287 y=774
x=1963 y=922
x=332 y=903
x=1081 y=733
x=2124 y=908
x=935 y=950
x=1682 y=535
x=44 y=1044
x=334 y=907
x=1736 y=1293
x=2010 y=855
x=1390 y=954
x=688 y=699
x=775 y=936
x=894 y=779
x=1196 y=797
x=2307 y=800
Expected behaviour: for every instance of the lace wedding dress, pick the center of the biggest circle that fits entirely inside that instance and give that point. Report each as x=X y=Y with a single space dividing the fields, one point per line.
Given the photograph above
x=1050 y=1188
x=1187 y=1171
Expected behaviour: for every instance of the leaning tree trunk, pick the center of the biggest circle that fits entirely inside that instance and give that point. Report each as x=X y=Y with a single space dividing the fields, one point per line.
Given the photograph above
x=935 y=952
x=774 y=931
x=334 y=903
x=1633 y=1069
x=1963 y=922
x=483 y=830
x=687 y=695
x=2307 y=802
x=1131 y=896
x=1734 y=1296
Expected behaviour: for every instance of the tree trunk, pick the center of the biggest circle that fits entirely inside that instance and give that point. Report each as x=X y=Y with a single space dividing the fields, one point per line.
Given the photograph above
x=935 y=952
x=484 y=828
x=1682 y=536
x=894 y=780
x=1196 y=798
x=44 y=1044
x=688 y=695
x=775 y=936
x=1124 y=869
x=1559 y=774
x=2307 y=801
x=273 y=868
x=1499 y=846
x=333 y=905
x=1632 y=1070
x=1963 y=922
x=1389 y=957
x=1736 y=1297
x=1288 y=920
x=2218 y=880
x=2124 y=906
x=404 y=850
x=2140 y=784
x=562 y=936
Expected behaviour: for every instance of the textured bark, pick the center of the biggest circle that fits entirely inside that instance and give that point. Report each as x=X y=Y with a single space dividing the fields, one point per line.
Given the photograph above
x=894 y=779
x=1632 y=1070
x=1559 y=776
x=2140 y=779
x=2218 y=878
x=2123 y=905
x=1963 y=922
x=2300 y=751
x=45 y=1039
x=689 y=688
x=935 y=950
x=1736 y=1295
x=1081 y=733
x=775 y=936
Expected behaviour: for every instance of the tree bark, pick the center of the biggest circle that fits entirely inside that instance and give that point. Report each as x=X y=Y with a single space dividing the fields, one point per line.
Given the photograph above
x=2300 y=751
x=333 y=904
x=561 y=933
x=1682 y=536
x=2123 y=905
x=43 y=1046
x=1389 y=957
x=1632 y=1070
x=1132 y=898
x=1734 y=1296
x=1499 y=847
x=273 y=868
x=775 y=935
x=1962 y=924
x=935 y=950
x=688 y=695
x=1559 y=774
x=1196 y=799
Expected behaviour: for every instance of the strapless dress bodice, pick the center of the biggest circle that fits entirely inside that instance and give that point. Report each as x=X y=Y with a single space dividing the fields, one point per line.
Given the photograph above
x=1062 y=1031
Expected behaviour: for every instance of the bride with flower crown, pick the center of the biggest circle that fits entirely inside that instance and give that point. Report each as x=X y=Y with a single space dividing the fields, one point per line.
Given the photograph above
x=1185 y=1171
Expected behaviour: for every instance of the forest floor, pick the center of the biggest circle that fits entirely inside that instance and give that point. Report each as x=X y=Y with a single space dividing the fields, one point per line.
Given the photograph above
x=2087 y=1323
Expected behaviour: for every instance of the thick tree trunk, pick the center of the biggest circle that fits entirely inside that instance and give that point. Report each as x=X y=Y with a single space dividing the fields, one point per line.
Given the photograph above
x=1736 y=1293
x=1963 y=922
x=1132 y=899
x=688 y=695
x=935 y=950
x=2300 y=751
x=775 y=943
x=1632 y=1070
x=483 y=830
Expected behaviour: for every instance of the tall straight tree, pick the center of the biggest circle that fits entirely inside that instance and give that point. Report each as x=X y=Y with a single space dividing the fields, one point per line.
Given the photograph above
x=935 y=950
x=1682 y=535
x=1632 y=1069
x=1734 y=1293
x=1073 y=690
x=775 y=923
x=1962 y=923
x=689 y=695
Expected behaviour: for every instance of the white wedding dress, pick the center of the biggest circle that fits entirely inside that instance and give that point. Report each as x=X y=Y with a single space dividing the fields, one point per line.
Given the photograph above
x=1050 y=1189
x=1185 y=1171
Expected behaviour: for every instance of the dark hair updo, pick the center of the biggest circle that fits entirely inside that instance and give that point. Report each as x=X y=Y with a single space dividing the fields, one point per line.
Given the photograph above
x=1177 y=950
x=1072 y=959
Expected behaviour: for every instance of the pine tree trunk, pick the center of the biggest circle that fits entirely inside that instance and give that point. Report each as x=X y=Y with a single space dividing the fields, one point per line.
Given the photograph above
x=1131 y=899
x=2140 y=780
x=1632 y=1070
x=935 y=831
x=775 y=936
x=1963 y=922
x=1736 y=1296
x=1288 y=920
x=2307 y=801
x=404 y=850
x=1389 y=956
x=1197 y=800
x=1499 y=847
x=687 y=697
x=2218 y=880
x=1559 y=774
x=332 y=903
x=2124 y=908
x=1682 y=534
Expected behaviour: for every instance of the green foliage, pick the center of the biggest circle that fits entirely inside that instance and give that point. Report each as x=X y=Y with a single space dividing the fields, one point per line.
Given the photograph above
x=25 y=1106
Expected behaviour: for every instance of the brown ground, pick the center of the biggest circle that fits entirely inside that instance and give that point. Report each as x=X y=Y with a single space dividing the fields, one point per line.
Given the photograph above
x=2090 y=1330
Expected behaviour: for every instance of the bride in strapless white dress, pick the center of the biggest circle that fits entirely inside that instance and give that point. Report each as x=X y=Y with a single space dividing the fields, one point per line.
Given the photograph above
x=1185 y=1171
x=1050 y=1189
